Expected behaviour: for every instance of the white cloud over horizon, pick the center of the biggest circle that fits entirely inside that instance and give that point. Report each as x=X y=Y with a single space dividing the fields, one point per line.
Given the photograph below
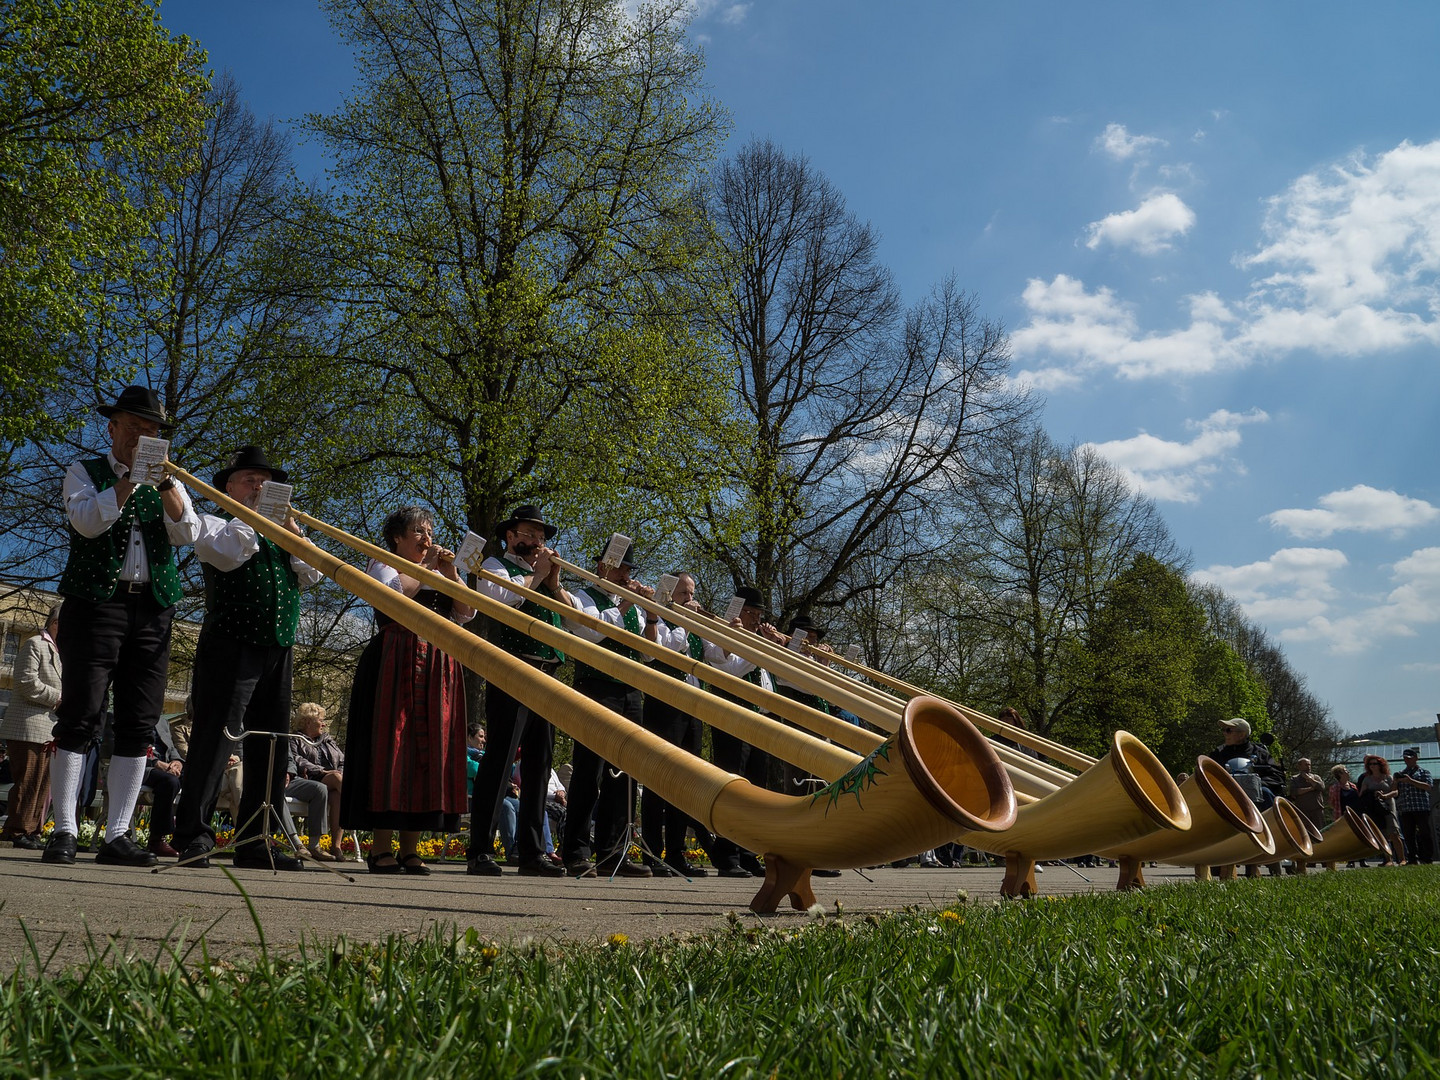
x=1174 y=471
x=1358 y=509
x=1297 y=586
x=1348 y=265
x=1148 y=228
x=1117 y=142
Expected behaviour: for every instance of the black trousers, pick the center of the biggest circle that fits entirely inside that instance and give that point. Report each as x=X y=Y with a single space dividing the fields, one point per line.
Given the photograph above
x=164 y=786
x=237 y=688
x=662 y=824
x=509 y=726
x=796 y=780
x=124 y=643
x=1415 y=829
x=596 y=787
x=734 y=755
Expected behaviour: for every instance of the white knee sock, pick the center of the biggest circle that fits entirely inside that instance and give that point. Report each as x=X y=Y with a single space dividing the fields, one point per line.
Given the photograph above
x=65 y=769
x=125 y=777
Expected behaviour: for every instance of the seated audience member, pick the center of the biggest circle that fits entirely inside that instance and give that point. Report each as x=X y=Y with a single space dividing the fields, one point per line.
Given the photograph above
x=320 y=763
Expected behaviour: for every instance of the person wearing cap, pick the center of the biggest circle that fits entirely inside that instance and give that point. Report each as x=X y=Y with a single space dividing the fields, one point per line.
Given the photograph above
x=120 y=588
x=594 y=785
x=1238 y=744
x=242 y=670
x=1412 y=803
x=527 y=560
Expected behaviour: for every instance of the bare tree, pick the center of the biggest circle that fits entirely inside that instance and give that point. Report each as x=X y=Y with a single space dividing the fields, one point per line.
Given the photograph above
x=863 y=417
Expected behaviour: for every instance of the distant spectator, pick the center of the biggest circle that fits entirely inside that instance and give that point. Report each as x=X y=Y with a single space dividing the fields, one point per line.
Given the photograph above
x=1412 y=804
x=1307 y=792
x=26 y=729
x=1012 y=717
x=1377 y=800
x=1343 y=792
x=320 y=763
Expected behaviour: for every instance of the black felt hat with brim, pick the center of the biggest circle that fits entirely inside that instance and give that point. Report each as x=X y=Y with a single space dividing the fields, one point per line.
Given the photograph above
x=249 y=457
x=528 y=513
x=139 y=401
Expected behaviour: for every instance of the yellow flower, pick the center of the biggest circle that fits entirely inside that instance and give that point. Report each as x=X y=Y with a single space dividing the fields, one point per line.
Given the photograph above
x=951 y=917
x=615 y=941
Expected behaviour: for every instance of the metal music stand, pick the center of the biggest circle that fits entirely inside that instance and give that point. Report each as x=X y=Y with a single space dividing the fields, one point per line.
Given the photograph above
x=266 y=807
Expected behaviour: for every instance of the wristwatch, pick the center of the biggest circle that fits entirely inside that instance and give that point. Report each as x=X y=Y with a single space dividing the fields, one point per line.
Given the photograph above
x=166 y=484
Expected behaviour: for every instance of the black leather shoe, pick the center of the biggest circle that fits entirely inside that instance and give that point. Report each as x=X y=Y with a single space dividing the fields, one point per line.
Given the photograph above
x=122 y=851
x=196 y=856
x=733 y=871
x=541 y=868
x=753 y=864
x=622 y=868
x=60 y=849
x=255 y=858
x=484 y=866
x=685 y=869
x=824 y=873
x=583 y=868
x=661 y=869
x=28 y=842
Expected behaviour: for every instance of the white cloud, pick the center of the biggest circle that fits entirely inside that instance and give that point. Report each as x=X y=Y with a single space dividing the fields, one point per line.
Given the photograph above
x=1148 y=228
x=1291 y=585
x=1348 y=265
x=1171 y=471
x=1119 y=144
x=1360 y=509
x=1097 y=331
x=723 y=11
x=1413 y=602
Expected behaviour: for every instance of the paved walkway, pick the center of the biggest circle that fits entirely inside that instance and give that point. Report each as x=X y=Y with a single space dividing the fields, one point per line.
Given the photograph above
x=141 y=910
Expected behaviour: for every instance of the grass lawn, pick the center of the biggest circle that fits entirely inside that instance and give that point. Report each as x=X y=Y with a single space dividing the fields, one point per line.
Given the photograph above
x=1330 y=975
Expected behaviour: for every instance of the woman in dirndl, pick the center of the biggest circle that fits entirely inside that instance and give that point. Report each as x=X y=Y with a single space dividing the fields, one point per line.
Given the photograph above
x=405 y=742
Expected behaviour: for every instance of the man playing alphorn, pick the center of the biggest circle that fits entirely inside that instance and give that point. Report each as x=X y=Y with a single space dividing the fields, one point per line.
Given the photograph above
x=593 y=783
x=510 y=725
x=120 y=586
x=243 y=671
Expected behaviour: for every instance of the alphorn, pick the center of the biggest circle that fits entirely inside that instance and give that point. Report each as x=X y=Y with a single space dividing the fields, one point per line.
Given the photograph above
x=936 y=776
x=1348 y=837
x=1029 y=776
x=1219 y=808
x=1295 y=836
x=1126 y=795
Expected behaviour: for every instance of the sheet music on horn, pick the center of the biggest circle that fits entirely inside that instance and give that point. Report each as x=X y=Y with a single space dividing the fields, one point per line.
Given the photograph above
x=733 y=609
x=471 y=553
x=615 y=550
x=275 y=501
x=665 y=588
x=149 y=465
x=852 y=652
x=797 y=638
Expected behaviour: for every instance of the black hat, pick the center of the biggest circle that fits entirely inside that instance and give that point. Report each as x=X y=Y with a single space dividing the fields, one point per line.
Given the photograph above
x=804 y=622
x=249 y=457
x=527 y=512
x=627 y=557
x=750 y=595
x=1413 y=751
x=139 y=401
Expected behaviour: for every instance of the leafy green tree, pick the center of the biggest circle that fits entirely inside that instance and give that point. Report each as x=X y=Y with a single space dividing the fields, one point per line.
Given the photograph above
x=100 y=110
x=523 y=260
x=1145 y=643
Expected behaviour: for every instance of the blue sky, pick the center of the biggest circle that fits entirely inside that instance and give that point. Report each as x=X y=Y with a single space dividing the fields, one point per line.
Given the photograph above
x=1212 y=230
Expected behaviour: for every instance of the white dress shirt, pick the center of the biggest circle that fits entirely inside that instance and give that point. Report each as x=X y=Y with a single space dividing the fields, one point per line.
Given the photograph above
x=92 y=512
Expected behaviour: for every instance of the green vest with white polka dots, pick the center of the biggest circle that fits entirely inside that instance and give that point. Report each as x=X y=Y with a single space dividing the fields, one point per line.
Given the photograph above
x=258 y=602
x=92 y=570
x=513 y=641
